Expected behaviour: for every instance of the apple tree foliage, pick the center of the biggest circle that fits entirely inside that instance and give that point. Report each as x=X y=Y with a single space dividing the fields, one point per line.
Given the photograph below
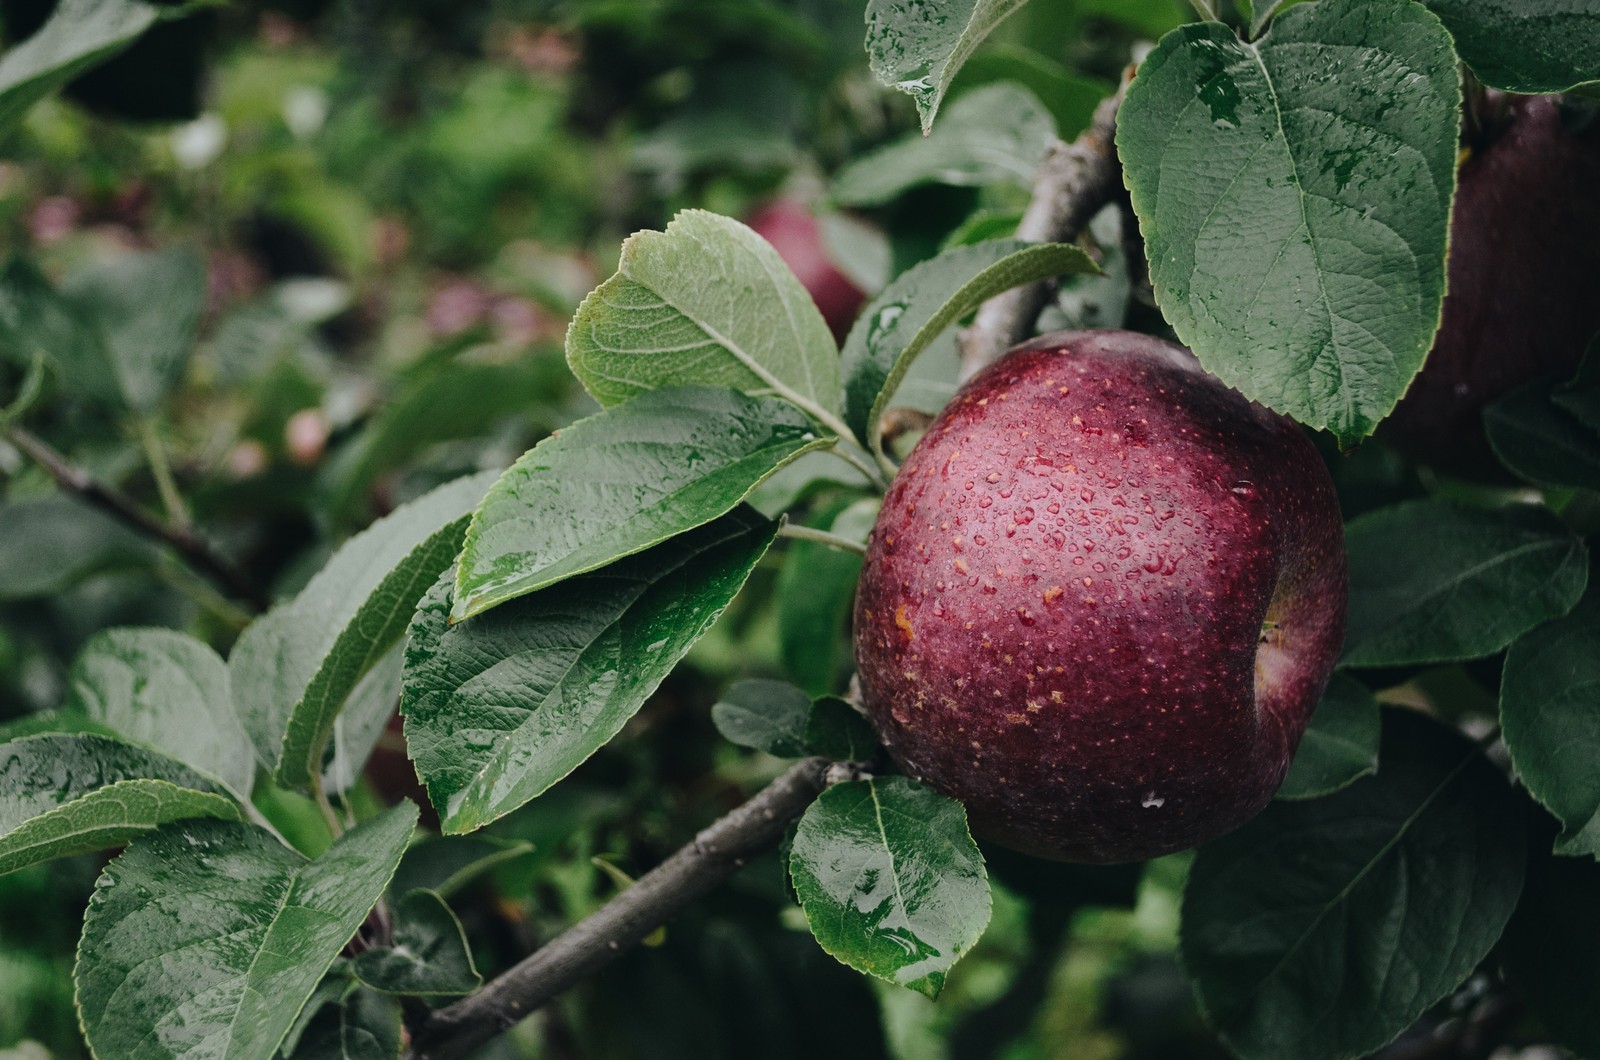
x=1291 y=175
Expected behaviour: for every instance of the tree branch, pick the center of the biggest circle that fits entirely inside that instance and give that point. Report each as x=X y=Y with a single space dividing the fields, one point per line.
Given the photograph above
x=1070 y=186
x=583 y=949
x=120 y=506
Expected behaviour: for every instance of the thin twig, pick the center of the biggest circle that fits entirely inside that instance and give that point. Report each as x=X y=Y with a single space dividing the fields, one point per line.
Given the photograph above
x=714 y=855
x=161 y=470
x=123 y=508
x=821 y=537
x=1070 y=186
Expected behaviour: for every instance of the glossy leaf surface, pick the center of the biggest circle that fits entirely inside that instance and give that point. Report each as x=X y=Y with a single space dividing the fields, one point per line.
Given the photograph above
x=890 y=879
x=925 y=300
x=1324 y=928
x=992 y=135
x=1433 y=582
x=503 y=705
x=207 y=938
x=68 y=793
x=429 y=956
x=618 y=482
x=166 y=689
x=1550 y=714
x=292 y=670
x=767 y=715
x=1294 y=195
x=707 y=302
x=917 y=46
x=1527 y=46
x=1340 y=746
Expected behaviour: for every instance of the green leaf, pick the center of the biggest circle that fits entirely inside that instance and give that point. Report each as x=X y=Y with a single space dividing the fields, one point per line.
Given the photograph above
x=1324 y=928
x=706 y=302
x=1580 y=395
x=925 y=300
x=69 y=793
x=293 y=669
x=618 y=482
x=767 y=715
x=446 y=864
x=890 y=879
x=36 y=321
x=79 y=35
x=146 y=307
x=994 y=134
x=1261 y=14
x=429 y=957
x=1541 y=440
x=1294 y=195
x=1528 y=46
x=815 y=589
x=916 y=46
x=222 y=934
x=165 y=689
x=360 y=725
x=1070 y=98
x=837 y=730
x=361 y=1024
x=500 y=707
x=1431 y=582
x=1549 y=691
x=1552 y=949
x=55 y=541
x=1340 y=746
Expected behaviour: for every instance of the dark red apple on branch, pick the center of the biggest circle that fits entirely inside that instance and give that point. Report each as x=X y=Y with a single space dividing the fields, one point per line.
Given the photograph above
x=794 y=233
x=1103 y=597
x=1523 y=298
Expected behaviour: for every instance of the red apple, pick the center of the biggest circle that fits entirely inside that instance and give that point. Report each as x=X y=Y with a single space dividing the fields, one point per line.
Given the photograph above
x=1101 y=601
x=1524 y=281
x=793 y=232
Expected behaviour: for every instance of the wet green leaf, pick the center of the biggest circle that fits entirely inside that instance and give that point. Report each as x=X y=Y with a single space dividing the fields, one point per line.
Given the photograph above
x=815 y=589
x=916 y=46
x=68 y=793
x=222 y=934
x=925 y=300
x=1526 y=46
x=1340 y=746
x=994 y=134
x=767 y=715
x=707 y=302
x=1295 y=195
x=618 y=482
x=294 y=668
x=1324 y=928
x=429 y=957
x=500 y=707
x=1550 y=713
x=165 y=689
x=890 y=879
x=1542 y=441
x=361 y=1024
x=837 y=730
x=1433 y=582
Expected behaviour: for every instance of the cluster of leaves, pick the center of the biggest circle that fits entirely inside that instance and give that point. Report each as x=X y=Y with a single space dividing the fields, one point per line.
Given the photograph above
x=523 y=618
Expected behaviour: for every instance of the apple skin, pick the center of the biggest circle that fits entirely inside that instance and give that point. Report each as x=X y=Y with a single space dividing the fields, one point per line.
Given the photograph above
x=1523 y=297
x=794 y=233
x=1063 y=619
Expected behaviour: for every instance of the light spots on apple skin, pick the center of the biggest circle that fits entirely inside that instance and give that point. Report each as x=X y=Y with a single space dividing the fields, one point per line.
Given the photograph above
x=1087 y=585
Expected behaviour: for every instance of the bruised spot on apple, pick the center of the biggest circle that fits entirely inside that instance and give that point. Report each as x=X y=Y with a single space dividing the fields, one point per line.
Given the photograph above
x=1103 y=597
x=1523 y=297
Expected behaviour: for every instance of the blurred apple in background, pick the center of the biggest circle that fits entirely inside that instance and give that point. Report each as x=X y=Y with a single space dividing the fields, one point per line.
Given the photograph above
x=794 y=232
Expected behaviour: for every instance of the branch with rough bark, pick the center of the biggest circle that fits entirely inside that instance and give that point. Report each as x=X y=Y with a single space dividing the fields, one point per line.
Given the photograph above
x=583 y=949
x=1070 y=186
x=191 y=546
